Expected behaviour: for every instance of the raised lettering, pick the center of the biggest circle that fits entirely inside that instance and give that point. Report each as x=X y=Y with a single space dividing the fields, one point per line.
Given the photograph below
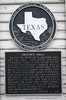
x=33 y=26
x=42 y=27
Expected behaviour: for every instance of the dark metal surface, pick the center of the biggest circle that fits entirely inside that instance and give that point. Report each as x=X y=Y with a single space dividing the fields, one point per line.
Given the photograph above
x=26 y=40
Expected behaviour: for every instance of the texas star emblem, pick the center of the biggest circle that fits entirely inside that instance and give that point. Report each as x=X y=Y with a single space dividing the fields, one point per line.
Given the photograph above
x=35 y=25
x=32 y=26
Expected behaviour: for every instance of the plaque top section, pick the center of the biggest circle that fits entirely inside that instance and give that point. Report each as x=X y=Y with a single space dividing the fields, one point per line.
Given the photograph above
x=32 y=26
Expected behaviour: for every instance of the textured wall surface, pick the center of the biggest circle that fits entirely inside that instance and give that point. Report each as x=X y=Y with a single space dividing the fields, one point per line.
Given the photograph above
x=7 y=7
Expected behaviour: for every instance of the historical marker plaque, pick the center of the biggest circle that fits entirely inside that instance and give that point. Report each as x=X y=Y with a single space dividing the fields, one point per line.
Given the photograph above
x=32 y=26
x=33 y=72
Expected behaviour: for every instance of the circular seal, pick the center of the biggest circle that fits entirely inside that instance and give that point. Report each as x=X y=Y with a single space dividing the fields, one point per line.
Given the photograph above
x=32 y=26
